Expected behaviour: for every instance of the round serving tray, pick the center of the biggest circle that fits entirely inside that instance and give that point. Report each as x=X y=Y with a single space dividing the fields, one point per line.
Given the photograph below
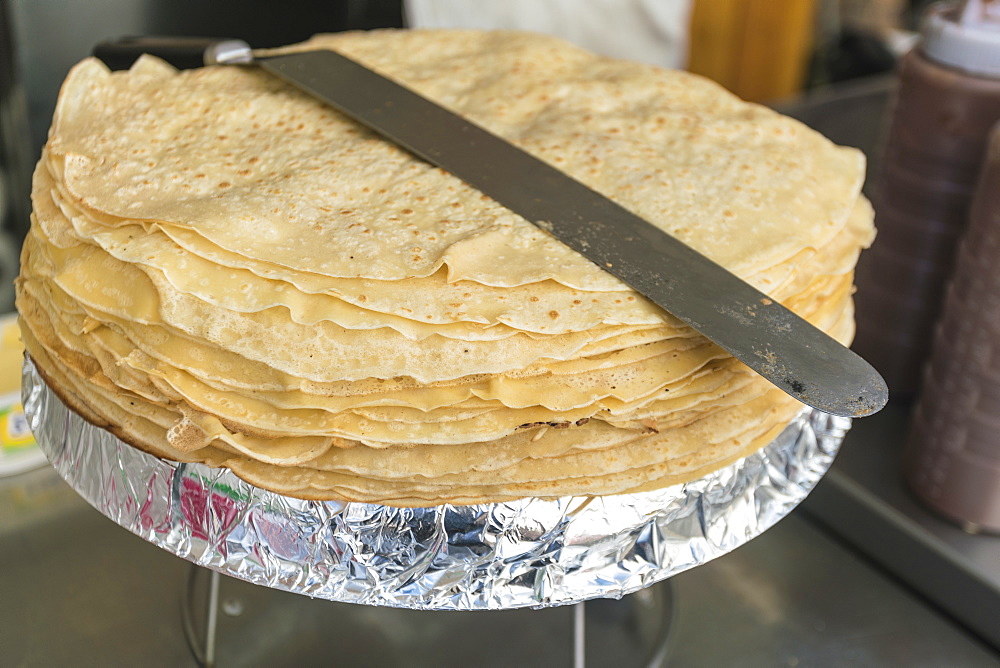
x=530 y=552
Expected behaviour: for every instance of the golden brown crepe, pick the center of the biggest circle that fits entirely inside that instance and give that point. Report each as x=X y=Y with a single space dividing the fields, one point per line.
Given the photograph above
x=222 y=269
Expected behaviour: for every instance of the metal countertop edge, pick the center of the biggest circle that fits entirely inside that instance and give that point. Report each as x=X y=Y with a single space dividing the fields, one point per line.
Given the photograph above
x=897 y=542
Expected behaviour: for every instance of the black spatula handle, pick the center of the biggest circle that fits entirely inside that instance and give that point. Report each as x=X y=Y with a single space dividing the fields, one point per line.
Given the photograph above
x=182 y=52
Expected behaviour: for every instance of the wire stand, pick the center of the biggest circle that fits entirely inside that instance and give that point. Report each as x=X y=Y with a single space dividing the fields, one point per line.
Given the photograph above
x=579 y=635
x=201 y=604
x=202 y=647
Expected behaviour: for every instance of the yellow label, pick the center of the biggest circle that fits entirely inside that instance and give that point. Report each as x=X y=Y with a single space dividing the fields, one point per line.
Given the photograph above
x=14 y=431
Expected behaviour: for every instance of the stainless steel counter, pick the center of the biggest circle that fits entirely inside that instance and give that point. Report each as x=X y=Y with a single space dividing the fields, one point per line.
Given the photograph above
x=864 y=500
x=77 y=589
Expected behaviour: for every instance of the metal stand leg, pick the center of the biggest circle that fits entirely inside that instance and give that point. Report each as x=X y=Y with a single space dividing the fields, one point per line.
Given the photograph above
x=212 y=618
x=645 y=622
x=579 y=635
x=202 y=646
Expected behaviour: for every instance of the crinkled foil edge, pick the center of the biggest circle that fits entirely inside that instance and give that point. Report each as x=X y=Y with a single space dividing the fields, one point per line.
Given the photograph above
x=528 y=553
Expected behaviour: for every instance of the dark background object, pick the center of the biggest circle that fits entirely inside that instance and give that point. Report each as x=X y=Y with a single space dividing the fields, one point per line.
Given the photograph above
x=15 y=161
x=855 y=53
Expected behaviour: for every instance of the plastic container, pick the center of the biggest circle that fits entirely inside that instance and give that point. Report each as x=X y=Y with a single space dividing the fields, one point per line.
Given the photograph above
x=947 y=101
x=952 y=459
x=18 y=450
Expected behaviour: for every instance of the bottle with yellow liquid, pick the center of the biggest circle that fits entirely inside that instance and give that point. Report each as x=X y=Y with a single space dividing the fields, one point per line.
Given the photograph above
x=18 y=450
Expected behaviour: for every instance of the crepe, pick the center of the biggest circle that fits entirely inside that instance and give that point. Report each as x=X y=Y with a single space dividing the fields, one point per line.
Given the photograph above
x=221 y=269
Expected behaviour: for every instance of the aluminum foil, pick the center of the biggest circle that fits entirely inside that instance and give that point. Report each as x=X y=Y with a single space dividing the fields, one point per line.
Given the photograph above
x=530 y=552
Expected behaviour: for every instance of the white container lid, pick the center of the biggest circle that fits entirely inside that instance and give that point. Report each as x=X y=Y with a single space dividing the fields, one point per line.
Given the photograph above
x=964 y=36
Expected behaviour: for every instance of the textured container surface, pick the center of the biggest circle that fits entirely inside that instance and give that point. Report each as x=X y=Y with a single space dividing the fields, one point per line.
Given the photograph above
x=530 y=552
x=953 y=456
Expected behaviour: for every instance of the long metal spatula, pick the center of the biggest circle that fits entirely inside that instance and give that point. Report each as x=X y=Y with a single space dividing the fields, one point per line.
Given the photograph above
x=770 y=339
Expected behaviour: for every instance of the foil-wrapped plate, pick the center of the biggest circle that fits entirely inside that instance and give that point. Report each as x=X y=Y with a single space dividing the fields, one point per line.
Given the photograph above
x=527 y=553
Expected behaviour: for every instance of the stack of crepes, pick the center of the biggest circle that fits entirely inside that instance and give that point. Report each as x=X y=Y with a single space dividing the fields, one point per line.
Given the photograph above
x=224 y=270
